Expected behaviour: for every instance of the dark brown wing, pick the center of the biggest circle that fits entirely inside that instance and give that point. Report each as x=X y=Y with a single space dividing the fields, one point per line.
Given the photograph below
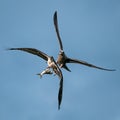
x=59 y=73
x=57 y=30
x=33 y=51
x=69 y=60
x=60 y=93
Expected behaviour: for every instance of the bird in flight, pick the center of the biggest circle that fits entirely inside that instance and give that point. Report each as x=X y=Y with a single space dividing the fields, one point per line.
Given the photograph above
x=51 y=65
x=62 y=57
x=61 y=62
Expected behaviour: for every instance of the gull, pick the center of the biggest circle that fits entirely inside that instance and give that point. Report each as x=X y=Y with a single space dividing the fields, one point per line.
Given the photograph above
x=62 y=57
x=51 y=65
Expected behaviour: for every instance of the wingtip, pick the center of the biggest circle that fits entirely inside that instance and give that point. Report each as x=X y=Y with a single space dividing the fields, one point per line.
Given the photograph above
x=113 y=70
x=8 y=48
x=58 y=107
x=55 y=15
x=109 y=69
x=55 y=12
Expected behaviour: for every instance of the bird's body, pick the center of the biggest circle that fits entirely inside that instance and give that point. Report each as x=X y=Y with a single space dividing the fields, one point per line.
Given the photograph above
x=62 y=60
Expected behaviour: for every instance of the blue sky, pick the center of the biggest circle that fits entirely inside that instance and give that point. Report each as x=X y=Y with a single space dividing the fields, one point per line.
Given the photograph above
x=90 y=31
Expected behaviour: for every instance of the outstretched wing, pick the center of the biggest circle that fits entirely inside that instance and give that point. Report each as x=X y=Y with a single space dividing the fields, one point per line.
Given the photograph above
x=57 y=30
x=60 y=93
x=32 y=51
x=60 y=88
x=69 y=60
x=59 y=73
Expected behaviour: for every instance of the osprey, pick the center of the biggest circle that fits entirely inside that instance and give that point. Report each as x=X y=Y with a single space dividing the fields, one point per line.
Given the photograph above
x=51 y=65
x=63 y=59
